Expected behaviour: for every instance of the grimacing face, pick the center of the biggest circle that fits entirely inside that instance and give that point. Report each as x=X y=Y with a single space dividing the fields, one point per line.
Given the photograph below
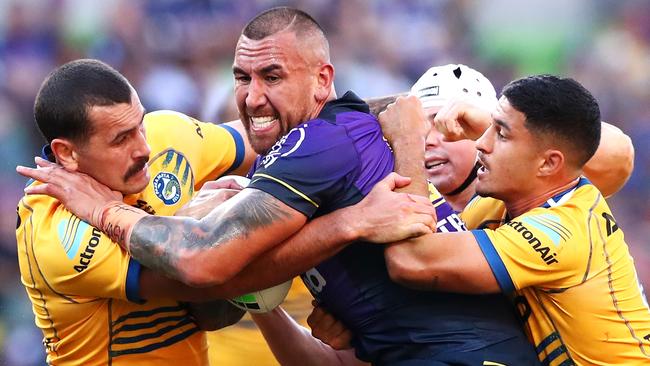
x=275 y=86
x=448 y=164
x=509 y=155
x=116 y=153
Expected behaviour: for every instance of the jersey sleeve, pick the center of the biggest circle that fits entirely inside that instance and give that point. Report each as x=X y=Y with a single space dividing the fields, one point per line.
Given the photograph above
x=311 y=164
x=540 y=248
x=76 y=260
x=213 y=150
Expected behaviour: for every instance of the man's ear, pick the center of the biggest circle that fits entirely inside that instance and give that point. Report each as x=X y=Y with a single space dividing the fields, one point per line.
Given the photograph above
x=324 y=87
x=553 y=162
x=66 y=154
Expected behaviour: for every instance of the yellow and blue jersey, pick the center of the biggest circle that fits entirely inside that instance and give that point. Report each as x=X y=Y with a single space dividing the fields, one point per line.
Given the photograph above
x=84 y=288
x=572 y=276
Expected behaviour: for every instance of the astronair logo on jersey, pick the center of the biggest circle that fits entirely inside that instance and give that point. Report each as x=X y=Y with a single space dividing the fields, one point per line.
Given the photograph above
x=71 y=233
x=167 y=188
x=550 y=227
x=275 y=151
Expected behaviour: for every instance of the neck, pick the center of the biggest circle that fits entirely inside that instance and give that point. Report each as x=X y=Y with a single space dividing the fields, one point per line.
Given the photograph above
x=521 y=206
x=459 y=200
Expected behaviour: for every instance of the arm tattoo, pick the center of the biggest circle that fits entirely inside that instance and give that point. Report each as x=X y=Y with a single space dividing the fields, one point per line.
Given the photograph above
x=158 y=242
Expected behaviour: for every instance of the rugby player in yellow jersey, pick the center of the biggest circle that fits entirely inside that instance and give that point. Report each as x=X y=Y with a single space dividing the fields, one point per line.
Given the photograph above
x=559 y=251
x=94 y=303
x=86 y=295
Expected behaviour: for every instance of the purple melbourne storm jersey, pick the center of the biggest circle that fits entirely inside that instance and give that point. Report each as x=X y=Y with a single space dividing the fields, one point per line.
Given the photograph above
x=331 y=162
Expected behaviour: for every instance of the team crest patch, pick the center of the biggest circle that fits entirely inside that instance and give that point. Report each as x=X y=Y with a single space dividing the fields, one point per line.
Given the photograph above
x=71 y=231
x=167 y=188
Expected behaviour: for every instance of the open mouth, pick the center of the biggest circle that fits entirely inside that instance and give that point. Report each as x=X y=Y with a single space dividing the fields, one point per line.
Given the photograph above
x=435 y=163
x=262 y=123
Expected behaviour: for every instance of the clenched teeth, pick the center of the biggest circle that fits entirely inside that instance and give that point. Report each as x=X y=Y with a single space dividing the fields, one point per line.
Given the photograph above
x=262 y=122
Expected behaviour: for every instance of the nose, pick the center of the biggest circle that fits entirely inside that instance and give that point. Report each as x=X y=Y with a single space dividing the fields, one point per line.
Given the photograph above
x=434 y=138
x=255 y=97
x=485 y=142
x=142 y=148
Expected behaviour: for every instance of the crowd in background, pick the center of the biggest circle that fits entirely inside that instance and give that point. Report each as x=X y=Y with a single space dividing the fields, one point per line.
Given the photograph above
x=178 y=55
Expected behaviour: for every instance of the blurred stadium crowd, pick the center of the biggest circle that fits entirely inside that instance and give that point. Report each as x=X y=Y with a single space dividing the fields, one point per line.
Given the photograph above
x=178 y=55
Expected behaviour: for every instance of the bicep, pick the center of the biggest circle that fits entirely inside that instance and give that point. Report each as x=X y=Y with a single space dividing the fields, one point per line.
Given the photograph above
x=441 y=261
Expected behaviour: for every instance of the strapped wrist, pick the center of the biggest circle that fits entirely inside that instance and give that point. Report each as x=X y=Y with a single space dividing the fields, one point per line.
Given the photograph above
x=117 y=219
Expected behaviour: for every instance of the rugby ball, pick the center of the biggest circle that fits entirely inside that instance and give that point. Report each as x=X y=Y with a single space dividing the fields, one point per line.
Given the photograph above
x=263 y=301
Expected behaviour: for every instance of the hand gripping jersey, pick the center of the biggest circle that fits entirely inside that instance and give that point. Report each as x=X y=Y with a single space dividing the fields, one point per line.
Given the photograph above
x=84 y=288
x=574 y=280
x=331 y=162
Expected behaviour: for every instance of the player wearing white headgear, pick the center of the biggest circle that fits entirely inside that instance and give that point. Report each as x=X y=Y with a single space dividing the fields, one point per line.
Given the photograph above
x=451 y=166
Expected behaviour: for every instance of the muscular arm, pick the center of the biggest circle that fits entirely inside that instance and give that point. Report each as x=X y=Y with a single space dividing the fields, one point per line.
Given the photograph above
x=214 y=249
x=318 y=240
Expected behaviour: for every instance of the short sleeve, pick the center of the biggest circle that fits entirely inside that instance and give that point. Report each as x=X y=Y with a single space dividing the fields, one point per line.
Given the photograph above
x=307 y=167
x=540 y=248
x=77 y=260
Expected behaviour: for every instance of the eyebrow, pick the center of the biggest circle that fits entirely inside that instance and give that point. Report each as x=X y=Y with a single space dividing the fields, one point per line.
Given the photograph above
x=264 y=70
x=270 y=68
x=144 y=112
x=238 y=70
x=501 y=124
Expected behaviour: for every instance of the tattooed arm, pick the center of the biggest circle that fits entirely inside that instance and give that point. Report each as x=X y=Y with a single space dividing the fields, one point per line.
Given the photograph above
x=318 y=240
x=212 y=250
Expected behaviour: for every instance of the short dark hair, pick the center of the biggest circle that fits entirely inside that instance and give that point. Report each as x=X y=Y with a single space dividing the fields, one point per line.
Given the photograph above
x=278 y=19
x=560 y=108
x=65 y=97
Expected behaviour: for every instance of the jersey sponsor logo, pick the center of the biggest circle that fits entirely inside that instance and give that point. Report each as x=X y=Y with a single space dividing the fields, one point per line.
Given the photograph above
x=87 y=255
x=545 y=252
x=275 y=151
x=167 y=187
x=71 y=231
x=550 y=225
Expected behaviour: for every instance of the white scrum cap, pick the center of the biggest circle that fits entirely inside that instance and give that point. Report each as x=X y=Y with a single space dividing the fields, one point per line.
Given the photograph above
x=441 y=83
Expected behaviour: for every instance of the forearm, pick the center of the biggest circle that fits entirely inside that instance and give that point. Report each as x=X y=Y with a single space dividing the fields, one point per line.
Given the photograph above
x=292 y=344
x=441 y=262
x=317 y=241
x=409 y=162
x=214 y=249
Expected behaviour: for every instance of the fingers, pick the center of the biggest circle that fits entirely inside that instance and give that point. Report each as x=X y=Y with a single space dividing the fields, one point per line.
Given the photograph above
x=329 y=330
x=419 y=229
x=43 y=163
x=393 y=181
